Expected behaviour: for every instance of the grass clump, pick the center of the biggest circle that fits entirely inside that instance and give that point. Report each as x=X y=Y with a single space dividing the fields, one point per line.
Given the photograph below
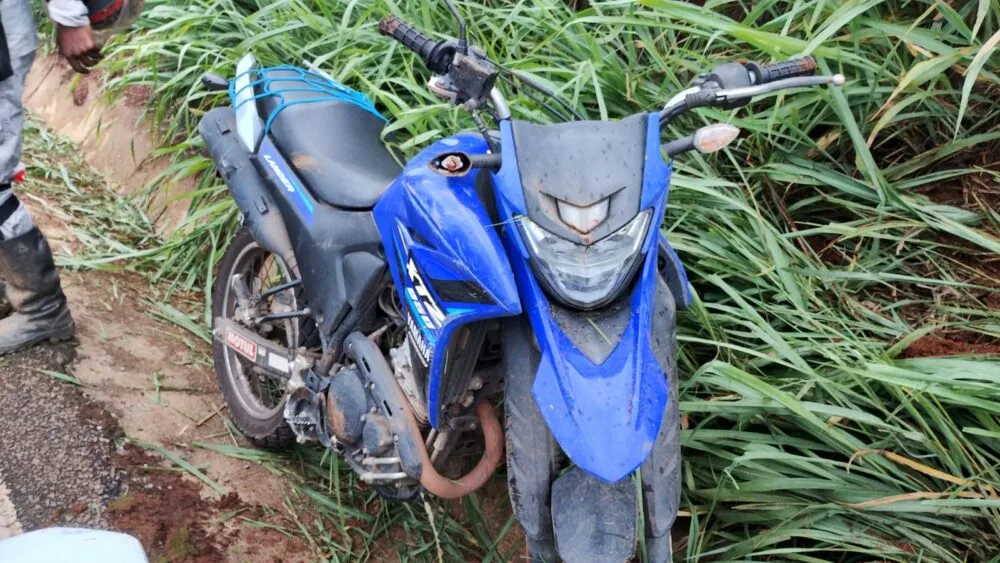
x=844 y=227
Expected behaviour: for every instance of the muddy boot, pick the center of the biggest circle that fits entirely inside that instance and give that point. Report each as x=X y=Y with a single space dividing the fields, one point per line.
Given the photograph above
x=40 y=311
x=5 y=307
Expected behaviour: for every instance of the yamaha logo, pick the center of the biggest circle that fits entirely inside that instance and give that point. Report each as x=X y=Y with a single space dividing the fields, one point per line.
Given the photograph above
x=417 y=339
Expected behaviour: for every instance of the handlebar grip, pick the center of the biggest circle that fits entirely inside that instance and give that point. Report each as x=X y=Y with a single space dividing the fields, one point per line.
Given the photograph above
x=409 y=37
x=805 y=66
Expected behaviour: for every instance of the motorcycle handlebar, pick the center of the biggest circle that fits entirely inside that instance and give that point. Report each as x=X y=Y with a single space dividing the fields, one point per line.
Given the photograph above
x=412 y=39
x=436 y=55
x=806 y=66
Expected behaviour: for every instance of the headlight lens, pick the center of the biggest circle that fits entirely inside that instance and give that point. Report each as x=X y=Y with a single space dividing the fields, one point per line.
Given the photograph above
x=585 y=277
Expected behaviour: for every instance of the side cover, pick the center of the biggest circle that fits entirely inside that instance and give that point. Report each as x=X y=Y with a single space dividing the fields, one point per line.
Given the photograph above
x=448 y=263
x=605 y=409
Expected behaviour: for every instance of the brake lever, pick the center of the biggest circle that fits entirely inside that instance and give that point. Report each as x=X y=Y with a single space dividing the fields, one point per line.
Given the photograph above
x=737 y=94
x=709 y=94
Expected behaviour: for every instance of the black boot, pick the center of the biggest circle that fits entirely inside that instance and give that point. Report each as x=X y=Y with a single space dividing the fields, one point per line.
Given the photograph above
x=5 y=307
x=40 y=311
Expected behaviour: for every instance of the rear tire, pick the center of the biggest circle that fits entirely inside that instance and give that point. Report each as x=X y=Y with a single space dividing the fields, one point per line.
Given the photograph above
x=256 y=403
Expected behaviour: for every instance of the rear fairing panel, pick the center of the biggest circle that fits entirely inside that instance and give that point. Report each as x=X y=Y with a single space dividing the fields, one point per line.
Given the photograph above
x=605 y=416
x=447 y=261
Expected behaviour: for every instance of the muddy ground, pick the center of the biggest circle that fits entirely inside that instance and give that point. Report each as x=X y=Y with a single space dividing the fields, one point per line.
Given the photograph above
x=77 y=418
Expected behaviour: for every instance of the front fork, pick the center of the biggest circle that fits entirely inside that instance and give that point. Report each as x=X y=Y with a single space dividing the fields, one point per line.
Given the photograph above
x=534 y=459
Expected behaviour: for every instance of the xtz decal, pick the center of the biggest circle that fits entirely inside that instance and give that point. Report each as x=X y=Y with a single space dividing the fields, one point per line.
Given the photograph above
x=428 y=309
x=425 y=317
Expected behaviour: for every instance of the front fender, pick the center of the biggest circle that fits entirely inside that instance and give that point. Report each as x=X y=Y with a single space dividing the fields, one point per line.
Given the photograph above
x=603 y=397
x=605 y=414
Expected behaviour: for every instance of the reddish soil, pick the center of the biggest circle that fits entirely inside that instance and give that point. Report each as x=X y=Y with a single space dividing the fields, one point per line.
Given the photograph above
x=970 y=191
x=826 y=249
x=165 y=512
x=962 y=344
x=137 y=96
x=81 y=91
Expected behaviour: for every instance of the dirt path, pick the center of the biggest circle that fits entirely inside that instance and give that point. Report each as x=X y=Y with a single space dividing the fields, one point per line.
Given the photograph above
x=66 y=459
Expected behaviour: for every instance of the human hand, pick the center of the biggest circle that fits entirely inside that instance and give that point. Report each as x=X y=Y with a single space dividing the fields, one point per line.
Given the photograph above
x=79 y=46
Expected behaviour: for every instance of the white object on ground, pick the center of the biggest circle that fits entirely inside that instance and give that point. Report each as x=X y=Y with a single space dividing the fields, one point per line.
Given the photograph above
x=71 y=544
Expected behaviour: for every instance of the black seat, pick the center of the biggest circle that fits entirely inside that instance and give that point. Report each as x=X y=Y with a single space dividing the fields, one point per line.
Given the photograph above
x=334 y=146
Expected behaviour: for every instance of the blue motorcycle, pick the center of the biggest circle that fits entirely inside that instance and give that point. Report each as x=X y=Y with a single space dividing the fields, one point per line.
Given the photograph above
x=384 y=311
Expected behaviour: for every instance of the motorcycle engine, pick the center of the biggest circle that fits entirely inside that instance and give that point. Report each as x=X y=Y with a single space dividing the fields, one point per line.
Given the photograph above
x=411 y=375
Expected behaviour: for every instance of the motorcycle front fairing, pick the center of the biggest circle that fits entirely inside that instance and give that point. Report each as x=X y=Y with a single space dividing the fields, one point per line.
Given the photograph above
x=605 y=415
x=449 y=266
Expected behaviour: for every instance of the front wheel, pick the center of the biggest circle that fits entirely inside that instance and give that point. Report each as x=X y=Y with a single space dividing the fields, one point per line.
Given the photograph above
x=256 y=402
x=536 y=467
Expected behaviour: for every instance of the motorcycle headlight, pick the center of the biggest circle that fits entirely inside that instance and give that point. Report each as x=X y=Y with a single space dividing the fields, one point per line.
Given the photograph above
x=589 y=276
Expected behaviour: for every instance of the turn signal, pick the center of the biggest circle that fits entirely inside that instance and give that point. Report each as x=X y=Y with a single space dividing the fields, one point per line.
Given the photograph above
x=714 y=138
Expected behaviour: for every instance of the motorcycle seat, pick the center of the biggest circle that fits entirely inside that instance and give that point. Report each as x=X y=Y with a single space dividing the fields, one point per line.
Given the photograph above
x=335 y=146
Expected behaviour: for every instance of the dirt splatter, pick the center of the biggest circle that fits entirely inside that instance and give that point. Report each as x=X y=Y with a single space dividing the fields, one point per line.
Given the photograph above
x=958 y=344
x=166 y=513
x=136 y=96
x=81 y=92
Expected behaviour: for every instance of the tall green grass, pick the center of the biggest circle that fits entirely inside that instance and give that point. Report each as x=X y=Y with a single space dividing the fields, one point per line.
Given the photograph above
x=843 y=226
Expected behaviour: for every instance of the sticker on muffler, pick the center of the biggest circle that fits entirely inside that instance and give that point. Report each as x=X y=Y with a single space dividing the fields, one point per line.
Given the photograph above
x=241 y=344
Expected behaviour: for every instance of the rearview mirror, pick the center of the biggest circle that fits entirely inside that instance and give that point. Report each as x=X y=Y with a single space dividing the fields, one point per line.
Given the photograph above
x=214 y=82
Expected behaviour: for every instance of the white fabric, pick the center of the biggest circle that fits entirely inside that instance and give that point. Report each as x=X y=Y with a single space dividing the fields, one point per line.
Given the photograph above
x=70 y=13
x=71 y=544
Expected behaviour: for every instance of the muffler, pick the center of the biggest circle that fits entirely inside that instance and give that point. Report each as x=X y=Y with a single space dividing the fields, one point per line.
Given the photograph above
x=248 y=187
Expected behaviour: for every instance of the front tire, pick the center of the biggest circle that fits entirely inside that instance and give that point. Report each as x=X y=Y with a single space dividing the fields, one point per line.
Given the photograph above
x=255 y=401
x=533 y=456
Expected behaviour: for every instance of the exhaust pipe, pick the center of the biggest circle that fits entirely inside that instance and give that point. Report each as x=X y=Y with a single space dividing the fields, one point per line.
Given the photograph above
x=493 y=436
x=248 y=187
x=413 y=453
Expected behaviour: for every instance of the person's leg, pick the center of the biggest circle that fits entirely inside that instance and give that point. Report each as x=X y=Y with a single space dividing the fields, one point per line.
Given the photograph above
x=33 y=289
